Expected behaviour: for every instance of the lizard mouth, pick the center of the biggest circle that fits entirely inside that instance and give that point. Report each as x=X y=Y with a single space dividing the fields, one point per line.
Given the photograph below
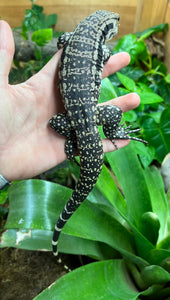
x=117 y=18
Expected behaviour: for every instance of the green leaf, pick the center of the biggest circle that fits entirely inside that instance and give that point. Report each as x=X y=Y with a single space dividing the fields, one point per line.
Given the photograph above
x=150 y=226
x=107 y=91
x=149 y=98
x=31 y=239
x=42 y=36
x=158 y=198
x=51 y=20
x=155 y=275
x=125 y=162
x=155 y=29
x=100 y=280
x=146 y=153
x=136 y=49
x=128 y=83
x=160 y=256
x=143 y=88
x=158 y=134
x=130 y=116
x=33 y=205
x=123 y=240
x=139 y=52
x=125 y=43
x=107 y=187
x=38 y=54
x=3 y=195
x=29 y=201
x=167 y=78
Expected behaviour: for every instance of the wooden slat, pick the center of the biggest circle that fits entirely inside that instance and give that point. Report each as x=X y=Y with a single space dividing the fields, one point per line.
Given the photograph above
x=149 y=13
x=135 y=15
x=71 y=12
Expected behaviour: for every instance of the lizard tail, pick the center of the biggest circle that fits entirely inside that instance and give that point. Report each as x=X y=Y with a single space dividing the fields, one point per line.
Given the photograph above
x=91 y=160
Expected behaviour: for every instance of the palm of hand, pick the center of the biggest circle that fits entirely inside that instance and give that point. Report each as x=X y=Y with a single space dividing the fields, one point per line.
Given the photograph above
x=24 y=133
x=27 y=145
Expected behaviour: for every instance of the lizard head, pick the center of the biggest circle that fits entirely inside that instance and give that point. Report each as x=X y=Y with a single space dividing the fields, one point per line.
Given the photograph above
x=110 y=22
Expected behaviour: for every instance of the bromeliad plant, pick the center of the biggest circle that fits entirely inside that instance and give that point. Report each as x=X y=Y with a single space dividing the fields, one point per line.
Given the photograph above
x=127 y=231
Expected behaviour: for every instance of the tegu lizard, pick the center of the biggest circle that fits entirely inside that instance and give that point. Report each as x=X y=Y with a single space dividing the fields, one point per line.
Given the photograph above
x=80 y=72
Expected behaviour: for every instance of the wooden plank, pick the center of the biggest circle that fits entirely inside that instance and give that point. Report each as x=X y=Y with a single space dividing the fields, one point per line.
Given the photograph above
x=71 y=12
x=149 y=13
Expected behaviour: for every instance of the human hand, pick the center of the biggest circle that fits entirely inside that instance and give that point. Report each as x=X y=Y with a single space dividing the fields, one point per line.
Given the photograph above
x=28 y=146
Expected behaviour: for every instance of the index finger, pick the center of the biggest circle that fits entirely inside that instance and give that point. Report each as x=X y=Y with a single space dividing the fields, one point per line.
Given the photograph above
x=115 y=63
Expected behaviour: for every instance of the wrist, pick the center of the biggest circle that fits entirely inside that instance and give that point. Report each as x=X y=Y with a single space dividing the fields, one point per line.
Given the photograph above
x=3 y=182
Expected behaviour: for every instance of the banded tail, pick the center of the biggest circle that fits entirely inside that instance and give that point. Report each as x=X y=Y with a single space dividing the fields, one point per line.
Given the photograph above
x=91 y=160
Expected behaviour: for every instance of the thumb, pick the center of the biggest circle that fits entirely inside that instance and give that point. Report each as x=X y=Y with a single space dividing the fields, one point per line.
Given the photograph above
x=6 y=51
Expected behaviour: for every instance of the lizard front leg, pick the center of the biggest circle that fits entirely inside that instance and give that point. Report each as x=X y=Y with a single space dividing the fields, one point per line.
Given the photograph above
x=106 y=53
x=63 y=39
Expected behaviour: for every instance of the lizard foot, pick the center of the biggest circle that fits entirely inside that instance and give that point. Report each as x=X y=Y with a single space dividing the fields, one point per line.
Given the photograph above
x=70 y=148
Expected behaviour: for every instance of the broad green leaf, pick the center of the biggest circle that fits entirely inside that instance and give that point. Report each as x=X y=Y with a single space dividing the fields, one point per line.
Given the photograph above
x=122 y=241
x=125 y=43
x=160 y=256
x=42 y=36
x=165 y=243
x=136 y=49
x=155 y=29
x=134 y=188
x=167 y=78
x=31 y=199
x=101 y=280
x=133 y=72
x=3 y=195
x=143 y=88
x=146 y=153
x=31 y=239
x=129 y=174
x=109 y=189
x=107 y=91
x=155 y=275
x=150 y=226
x=128 y=83
x=158 y=198
x=158 y=134
x=156 y=115
x=130 y=116
x=149 y=98
x=51 y=20
x=33 y=205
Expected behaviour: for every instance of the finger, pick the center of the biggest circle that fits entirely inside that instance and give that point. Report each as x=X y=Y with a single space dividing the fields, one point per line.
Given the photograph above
x=108 y=146
x=115 y=63
x=52 y=65
x=6 y=51
x=126 y=102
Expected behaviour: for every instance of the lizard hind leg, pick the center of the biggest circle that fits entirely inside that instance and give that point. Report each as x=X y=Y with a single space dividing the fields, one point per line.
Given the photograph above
x=61 y=124
x=109 y=116
x=70 y=148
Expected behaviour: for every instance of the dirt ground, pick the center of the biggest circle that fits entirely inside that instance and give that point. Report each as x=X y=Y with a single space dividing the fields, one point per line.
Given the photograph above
x=24 y=274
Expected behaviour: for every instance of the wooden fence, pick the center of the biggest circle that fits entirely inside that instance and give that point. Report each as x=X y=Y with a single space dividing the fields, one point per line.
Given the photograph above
x=135 y=15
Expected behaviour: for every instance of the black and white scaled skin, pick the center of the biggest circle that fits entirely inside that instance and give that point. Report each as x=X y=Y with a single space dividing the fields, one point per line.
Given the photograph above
x=80 y=73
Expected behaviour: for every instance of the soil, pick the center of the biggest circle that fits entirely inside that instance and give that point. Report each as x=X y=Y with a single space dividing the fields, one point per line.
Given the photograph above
x=24 y=274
